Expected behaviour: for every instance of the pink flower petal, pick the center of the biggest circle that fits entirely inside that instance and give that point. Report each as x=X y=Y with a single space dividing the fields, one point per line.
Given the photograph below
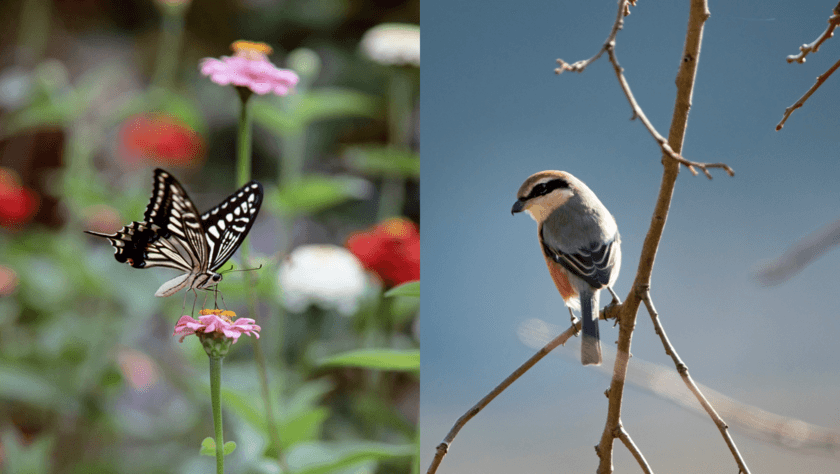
x=258 y=75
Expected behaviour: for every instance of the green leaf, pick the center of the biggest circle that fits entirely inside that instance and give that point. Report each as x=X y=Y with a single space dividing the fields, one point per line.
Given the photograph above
x=229 y=447
x=411 y=288
x=305 y=426
x=314 y=193
x=287 y=115
x=381 y=359
x=208 y=447
x=323 y=457
x=28 y=386
x=327 y=103
x=378 y=160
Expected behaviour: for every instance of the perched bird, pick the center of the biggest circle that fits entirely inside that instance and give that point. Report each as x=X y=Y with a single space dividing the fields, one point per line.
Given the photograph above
x=580 y=243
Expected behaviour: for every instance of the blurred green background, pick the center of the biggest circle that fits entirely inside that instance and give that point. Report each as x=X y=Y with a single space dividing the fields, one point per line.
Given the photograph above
x=96 y=94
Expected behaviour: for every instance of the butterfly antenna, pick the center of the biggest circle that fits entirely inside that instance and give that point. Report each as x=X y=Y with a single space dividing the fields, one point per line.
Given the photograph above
x=223 y=301
x=194 y=301
x=242 y=270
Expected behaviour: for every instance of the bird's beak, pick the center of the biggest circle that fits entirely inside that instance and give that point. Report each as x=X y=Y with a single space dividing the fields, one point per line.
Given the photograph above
x=518 y=206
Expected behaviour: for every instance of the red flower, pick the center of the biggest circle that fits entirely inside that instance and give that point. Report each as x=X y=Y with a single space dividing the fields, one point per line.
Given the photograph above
x=17 y=203
x=160 y=139
x=391 y=249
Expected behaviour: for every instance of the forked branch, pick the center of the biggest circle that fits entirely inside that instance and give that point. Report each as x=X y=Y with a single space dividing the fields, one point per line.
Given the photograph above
x=609 y=48
x=804 y=50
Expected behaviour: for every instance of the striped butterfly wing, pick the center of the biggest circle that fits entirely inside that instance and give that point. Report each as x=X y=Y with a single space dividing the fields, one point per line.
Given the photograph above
x=173 y=234
x=227 y=224
x=170 y=234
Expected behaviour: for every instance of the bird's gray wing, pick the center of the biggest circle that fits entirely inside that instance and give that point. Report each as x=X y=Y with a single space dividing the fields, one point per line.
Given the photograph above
x=593 y=263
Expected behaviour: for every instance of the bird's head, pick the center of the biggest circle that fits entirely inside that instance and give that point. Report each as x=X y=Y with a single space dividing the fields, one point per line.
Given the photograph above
x=544 y=192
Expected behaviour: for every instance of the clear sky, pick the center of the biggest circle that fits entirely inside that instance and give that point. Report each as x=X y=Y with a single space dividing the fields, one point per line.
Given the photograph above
x=494 y=112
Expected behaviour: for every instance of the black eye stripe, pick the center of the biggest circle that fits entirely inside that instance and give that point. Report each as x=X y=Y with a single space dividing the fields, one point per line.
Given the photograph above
x=544 y=188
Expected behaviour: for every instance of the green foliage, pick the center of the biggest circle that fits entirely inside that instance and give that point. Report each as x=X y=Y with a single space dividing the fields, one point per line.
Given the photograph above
x=379 y=160
x=323 y=457
x=378 y=359
x=315 y=193
x=411 y=288
x=87 y=355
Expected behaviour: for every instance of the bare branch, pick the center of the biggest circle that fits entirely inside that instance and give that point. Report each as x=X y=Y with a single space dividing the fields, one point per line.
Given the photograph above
x=683 y=371
x=699 y=13
x=663 y=143
x=579 y=66
x=799 y=103
x=805 y=49
x=622 y=434
x=609 y=47
x=443 y=447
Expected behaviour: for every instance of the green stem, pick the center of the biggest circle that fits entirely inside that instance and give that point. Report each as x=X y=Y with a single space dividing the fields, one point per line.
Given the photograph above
x=392 y=196
x=243 y=175
x=216 y=401
x=243 y=149
x=169 y=45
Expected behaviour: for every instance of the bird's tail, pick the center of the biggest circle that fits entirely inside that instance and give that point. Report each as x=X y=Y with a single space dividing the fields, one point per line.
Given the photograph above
x=590 y=345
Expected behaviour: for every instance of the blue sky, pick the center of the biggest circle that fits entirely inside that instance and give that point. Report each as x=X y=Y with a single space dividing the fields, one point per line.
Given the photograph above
x=494 y=112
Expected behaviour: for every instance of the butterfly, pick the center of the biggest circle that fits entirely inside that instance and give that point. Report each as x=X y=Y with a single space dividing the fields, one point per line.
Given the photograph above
x=173 y=234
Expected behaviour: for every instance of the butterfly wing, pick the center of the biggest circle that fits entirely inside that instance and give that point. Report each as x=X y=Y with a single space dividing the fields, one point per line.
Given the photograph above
x=171 y=228
x=227 y=224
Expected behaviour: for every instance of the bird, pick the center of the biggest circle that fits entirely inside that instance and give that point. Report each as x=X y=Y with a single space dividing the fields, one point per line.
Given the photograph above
x=580 y=243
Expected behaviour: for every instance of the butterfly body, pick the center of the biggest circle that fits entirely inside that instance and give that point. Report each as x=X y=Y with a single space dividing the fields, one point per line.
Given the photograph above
x=173 y=234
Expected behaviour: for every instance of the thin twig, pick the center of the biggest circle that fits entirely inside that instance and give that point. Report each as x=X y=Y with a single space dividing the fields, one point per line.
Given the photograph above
x=799 y=103
x=443 y=447
x=609 y=47
x=663 y=143
x=579 y=66
x=805 y=49
x=622 y=434
x=683 y=371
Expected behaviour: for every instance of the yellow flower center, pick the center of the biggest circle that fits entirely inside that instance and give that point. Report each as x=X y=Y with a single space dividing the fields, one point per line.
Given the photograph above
x=251 y=50
x=228 y=316
x=397 y=227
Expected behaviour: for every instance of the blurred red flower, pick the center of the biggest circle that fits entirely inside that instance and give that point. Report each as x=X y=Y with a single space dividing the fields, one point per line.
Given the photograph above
x=391 y=249
x=17 y=203
x=161 y=139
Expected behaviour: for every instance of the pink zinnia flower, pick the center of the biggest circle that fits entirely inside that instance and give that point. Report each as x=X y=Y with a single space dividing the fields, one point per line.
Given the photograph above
x=215 y=322
x=249 y=67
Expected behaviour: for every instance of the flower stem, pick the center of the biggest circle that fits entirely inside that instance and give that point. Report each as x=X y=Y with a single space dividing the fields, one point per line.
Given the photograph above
x=243 y=175
x=216 y=401
x=392 y=195
x=169 y=46
x=243 y=148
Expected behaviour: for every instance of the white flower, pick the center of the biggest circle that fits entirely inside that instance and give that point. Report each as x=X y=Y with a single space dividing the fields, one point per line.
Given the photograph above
x=393 y=44
x=324 y=275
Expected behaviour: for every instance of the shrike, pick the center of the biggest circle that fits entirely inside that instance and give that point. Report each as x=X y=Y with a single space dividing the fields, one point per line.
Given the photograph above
x=580 y=243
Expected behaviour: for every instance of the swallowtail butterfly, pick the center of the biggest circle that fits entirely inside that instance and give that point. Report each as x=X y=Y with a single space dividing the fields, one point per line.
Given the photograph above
x=173 y=234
